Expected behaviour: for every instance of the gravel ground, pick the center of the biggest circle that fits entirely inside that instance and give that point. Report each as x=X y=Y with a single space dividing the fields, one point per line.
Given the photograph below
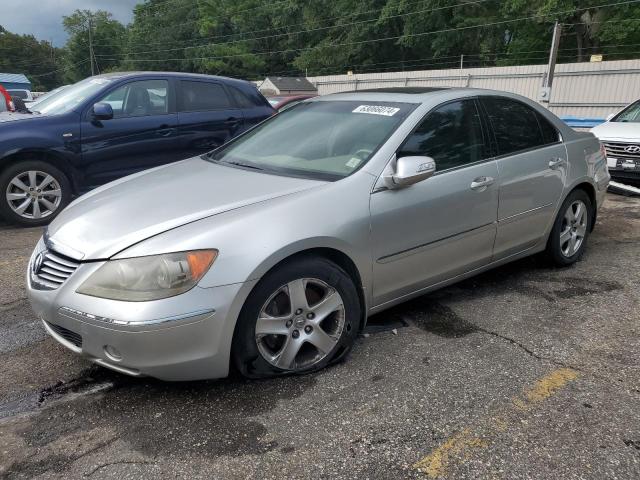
x=526 y=371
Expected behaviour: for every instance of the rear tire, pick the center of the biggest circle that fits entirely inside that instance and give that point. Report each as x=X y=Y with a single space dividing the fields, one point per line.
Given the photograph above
x=571 y=229
x=32 y=193
x=278 y=335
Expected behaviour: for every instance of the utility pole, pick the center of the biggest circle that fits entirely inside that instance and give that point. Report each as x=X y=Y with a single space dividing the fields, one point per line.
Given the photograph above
x=91 y=45
x=461 y=61
x=545 y=91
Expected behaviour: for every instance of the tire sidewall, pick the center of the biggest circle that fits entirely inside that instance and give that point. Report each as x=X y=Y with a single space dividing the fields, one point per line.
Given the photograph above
x=553 y=247
x=13 y=170
x=246 y=356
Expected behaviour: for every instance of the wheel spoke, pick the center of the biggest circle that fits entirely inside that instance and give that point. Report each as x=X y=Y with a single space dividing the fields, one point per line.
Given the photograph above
x=297 y=295
x=327 y=306
x=267 y=325
x=578 y=212
x=565 y=236
x=287 y=356
x=16 y=196
x=568 y=215
x=322 y=341
x=20 y=184
x=52 y=193
x=23 y=206
x=36 y=209
x=47 y=181
x=581 y=230
x=50 y=206
x=572 y=244
x=32 y=179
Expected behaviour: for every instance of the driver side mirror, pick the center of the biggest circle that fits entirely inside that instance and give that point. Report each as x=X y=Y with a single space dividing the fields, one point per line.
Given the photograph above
x=410 y=170
x=102 y=111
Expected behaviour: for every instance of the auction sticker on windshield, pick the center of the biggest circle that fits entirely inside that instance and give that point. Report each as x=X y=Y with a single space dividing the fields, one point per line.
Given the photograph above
x=377 y=110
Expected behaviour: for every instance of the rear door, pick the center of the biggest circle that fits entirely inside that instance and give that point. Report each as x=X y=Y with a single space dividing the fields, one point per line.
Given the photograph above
x=532 y=162
x=445 y=225
x=207 y=116
x=142 y=133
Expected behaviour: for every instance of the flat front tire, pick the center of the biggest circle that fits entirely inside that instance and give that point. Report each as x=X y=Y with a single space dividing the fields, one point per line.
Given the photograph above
x=299 y=318
x=33 y=193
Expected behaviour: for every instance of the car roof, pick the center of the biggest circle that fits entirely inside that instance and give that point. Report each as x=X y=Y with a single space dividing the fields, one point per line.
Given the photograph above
x=195 y=76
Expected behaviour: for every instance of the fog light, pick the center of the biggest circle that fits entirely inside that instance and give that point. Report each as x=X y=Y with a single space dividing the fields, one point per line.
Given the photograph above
x=112 y=353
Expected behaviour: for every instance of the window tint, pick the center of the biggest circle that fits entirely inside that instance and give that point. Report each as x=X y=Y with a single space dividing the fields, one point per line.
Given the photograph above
x=242 y=100
x=549 y=132
x=199 y=96
x=515 y=125
x=451 y=135
x=138 y=99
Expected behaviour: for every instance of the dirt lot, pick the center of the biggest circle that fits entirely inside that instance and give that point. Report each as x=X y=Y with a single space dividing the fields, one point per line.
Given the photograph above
x=523 y=372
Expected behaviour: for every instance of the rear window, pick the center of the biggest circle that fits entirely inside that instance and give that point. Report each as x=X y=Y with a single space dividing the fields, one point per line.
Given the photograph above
x=18 y=93
x=202 y=96
x=515 y=125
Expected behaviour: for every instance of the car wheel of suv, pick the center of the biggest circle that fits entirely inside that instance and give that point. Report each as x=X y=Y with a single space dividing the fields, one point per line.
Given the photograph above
x=571 y=229
x=33 y=193
x=298 y=319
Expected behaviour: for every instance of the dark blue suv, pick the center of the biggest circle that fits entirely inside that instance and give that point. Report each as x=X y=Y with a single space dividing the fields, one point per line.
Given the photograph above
x=109 y=126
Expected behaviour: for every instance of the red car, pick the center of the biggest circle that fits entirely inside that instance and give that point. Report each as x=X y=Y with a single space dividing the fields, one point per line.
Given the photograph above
x=283 y=102
x=6 y=104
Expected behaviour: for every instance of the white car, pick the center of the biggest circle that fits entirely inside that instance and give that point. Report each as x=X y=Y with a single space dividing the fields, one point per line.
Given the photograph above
x=620 y=135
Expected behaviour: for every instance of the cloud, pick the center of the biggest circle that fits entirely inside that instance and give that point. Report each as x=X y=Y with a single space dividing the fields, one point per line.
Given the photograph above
x=43 y=18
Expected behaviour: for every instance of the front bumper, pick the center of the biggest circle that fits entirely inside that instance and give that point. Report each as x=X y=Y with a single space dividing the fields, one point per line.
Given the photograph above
x=186 y=337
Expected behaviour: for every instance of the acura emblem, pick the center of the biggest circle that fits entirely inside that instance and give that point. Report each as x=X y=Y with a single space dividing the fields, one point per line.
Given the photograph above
x=632 y=149
x=37 y=262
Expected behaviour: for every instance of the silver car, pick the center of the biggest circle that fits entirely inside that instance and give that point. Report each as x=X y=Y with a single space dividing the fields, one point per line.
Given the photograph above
x=271 y=251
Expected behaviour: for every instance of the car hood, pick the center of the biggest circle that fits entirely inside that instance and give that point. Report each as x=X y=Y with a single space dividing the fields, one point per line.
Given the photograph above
x=622 y=131
x=6 y=117
x=117 y=215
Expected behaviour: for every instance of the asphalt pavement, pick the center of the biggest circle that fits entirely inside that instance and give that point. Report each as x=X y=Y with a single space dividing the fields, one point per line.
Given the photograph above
x=527 y=371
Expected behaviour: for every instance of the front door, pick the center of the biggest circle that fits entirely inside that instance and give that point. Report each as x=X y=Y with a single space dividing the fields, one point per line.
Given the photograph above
x=443 y=226
x=533 y=167
x=142 y=133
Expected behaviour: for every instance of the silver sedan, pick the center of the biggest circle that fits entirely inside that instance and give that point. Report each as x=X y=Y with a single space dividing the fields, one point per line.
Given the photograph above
x=271 y=251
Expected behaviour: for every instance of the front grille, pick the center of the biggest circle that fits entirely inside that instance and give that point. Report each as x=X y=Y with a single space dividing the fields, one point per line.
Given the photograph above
x=52 y=269
x=618 y=150
x=67 y=334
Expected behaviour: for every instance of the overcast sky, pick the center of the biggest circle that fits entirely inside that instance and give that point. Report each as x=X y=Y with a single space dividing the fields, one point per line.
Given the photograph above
x=43 y=18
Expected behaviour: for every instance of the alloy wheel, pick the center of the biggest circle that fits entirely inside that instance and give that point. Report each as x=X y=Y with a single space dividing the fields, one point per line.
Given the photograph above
x=574 y=228
x=34 y=194
x=300 y=324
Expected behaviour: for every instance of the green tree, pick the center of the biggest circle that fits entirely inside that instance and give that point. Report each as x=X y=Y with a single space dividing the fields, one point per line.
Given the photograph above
x=108 y=38
x=39 y=61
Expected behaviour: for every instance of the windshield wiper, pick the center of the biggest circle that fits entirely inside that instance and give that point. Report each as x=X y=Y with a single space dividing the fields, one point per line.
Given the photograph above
x=244 y=165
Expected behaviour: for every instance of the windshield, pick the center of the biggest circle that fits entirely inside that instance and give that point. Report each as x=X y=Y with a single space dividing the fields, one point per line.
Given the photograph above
x=629 y=114
x=68 y=98
x=325 y=140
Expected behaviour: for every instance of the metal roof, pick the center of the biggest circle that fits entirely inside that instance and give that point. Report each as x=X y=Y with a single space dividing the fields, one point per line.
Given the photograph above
x=13 y=78
x=300 y=84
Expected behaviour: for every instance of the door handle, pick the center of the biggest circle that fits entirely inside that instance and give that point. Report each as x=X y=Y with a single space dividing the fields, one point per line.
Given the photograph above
x=480 y=184
x=555 y=163
x=164 y=131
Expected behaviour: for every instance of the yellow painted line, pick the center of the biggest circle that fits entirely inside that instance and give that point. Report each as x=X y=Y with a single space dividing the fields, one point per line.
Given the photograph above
x=462 y=445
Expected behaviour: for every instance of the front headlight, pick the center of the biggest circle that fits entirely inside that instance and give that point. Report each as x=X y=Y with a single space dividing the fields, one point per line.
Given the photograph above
x=149 y=278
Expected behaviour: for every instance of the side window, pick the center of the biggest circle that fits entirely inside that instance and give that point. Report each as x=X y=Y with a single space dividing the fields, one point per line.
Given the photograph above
x=549 y=132
x=240 y=98
x=451 y=135
x=201 y=96
x=139 y=99
x=515 y=125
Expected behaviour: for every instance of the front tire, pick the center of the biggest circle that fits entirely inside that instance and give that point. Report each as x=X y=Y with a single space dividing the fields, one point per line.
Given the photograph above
x=33 y=193
x=299 y=318
x=571 y=229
